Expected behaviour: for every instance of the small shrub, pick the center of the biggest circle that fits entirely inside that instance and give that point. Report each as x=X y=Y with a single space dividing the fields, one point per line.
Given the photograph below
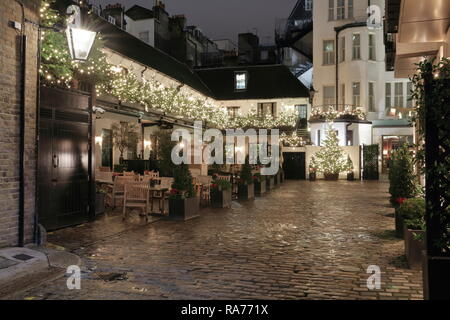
x=412 y=211
x=182 y=186
x=246 y=176
x=221 y=184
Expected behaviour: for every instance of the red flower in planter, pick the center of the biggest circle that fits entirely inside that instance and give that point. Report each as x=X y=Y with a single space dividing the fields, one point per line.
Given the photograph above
x=401 y=200
x=214 y=186
x=173 y=191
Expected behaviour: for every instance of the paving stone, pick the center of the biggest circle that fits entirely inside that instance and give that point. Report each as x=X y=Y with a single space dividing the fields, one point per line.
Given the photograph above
x=301 y=241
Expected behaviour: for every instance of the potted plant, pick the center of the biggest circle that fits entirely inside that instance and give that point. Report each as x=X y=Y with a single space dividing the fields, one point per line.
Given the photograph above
x=412 y=212
x=125 y=137
x=183 y=204
x=221 y=194
x=312 y=169
x=350 y=168
x=260 y=184
x=100 y=194
x=402 y=178
x=246 y=189
x=399 y=225
x=330 y=159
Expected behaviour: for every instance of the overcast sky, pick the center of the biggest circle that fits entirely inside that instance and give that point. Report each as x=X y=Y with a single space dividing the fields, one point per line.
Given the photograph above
x=224 y=19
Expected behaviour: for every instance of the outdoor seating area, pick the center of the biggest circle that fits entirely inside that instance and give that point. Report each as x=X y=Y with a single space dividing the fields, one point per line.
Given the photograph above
x=149 y=193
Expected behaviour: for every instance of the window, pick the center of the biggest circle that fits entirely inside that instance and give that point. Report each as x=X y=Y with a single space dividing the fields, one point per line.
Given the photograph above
x=111 y=20
x=349 y=137
x=372 y=48
x=409 y=102
x=329 y=95
x=267 y=109
x=340 y=10
x=398 y=99
x=371 y=97
x=328 y=52
x=342 y=96
x=330 y=10
x=356 y=90
x=302 y=111
x=144 y=36
x=318 y=138
x=264 y=55
x=388 y=101
x=350 y=9
x=240 y=82
x=233 y=112
x=107 y=148
x=356 y=46
x=308 y=5
x=342 y=49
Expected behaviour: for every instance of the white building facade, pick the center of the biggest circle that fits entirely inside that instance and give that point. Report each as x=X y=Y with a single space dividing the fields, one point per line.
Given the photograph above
x=350 y=74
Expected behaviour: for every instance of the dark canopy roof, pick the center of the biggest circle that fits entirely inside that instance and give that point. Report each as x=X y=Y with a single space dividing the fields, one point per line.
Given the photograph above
x=264 y=82
x=124 y=43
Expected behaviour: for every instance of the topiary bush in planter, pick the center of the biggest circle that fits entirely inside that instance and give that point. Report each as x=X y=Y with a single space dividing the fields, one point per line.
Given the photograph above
x=402 y=178
x=183 y=204
x=221 y=194
x=412 y=213
x=245 y=186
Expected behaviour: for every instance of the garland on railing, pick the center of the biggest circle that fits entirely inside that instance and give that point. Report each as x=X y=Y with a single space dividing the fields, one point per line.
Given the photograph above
x=293 y=140
x=331 y=113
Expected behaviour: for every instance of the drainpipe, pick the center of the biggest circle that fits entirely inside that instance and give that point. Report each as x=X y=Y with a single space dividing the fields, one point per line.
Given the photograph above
x=23 y=50
x=38 y=110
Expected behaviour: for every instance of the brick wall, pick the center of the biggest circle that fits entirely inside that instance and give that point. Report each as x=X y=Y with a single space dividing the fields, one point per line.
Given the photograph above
x=10 y=117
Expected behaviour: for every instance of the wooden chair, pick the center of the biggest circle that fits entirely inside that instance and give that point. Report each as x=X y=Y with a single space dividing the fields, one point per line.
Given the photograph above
x=104 y=177
x=119 y=188
x=129 y=174
x=205 y=190
x=226 y=178
x=136 y=195
x=104 y=169
x=151 y=174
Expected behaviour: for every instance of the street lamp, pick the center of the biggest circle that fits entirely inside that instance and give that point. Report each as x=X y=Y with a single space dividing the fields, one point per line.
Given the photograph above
x=80 y=41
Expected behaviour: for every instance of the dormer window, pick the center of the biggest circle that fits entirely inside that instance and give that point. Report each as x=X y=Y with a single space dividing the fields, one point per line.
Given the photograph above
x=308 y=5
x=240 y=81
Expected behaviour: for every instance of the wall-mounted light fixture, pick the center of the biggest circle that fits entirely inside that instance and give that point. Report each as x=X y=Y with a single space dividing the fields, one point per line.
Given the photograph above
x=80 y=40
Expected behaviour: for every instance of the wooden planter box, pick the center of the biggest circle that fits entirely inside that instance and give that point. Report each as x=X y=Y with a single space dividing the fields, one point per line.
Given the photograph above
x=399 y=228
x=281 y=173
x=184 y=209
x=312 y=176
x=246 y=192
x=436 y=277
x=270 y=183
x=414 y=248
x=99 y=203
x=260 y=188
x=221 y=198
x=331 y=176
x=276 y=181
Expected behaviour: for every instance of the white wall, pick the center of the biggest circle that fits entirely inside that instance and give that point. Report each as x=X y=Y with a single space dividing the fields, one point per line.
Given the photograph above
x=363 y=70
x=146 y=25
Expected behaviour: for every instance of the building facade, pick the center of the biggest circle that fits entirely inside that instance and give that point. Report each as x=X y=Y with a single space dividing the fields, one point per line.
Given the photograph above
x=350 y=73
x=18 y=122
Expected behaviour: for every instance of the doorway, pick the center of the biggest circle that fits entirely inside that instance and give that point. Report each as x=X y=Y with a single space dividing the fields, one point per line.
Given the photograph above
x=294 y=165
x=64 y=167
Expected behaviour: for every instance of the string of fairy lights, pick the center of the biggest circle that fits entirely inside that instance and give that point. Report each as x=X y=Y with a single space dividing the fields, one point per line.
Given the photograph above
x=57 y=69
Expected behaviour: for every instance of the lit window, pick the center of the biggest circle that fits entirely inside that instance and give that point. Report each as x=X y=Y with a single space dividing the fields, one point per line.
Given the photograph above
x=267 y=109
x=233 y=112
x=398 y=99
x=328 y=52
x=356 y=46
x=241 y=81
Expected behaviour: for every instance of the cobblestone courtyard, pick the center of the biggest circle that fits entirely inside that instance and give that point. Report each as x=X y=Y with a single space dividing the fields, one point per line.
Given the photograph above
x=301 y=241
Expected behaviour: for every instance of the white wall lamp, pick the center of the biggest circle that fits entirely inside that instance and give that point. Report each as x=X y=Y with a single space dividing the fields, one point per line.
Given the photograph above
x=80 y=40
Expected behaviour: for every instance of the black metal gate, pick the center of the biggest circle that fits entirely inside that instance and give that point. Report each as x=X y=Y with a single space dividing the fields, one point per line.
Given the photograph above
x=294 y=165
x=65 y=161
x=370 y=162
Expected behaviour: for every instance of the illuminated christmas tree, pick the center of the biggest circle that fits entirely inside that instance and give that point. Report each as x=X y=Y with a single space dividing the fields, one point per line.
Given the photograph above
x=331 y=159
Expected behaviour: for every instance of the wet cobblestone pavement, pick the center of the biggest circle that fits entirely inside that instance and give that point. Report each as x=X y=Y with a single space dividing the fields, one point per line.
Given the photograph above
x=301 y=241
